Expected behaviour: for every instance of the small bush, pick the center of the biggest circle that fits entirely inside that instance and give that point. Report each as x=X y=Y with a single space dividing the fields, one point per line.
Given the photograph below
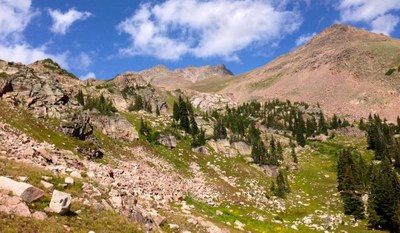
x=390 y=72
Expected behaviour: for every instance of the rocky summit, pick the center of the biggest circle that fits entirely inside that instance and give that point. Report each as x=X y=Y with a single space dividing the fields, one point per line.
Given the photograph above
x=299 y=145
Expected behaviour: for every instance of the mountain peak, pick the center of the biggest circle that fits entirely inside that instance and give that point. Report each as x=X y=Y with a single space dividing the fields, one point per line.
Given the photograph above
x=339 y=33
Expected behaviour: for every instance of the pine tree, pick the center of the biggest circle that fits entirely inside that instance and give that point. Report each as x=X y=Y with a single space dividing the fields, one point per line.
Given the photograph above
x=80 y=97
x=138 y=103
x=294 y=156
x=322 y=127
x=334 y=122
x=175 y=111
x=157 y=110
x=194 y=129
x=279 y=151
x=258 y=152
x=144 y=128
x=300 y=131
x=352 y=180
x=219 y=130
x=282 y=187
x=383 y=202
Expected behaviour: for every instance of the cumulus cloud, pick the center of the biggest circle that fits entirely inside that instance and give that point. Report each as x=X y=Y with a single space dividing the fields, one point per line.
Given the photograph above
x=303 y=39
x=385 y=24
x=63 y=21
x=24 y=53
x=174 y=28
x=88 y=76
x=375 y=13
x=82 y=61
x=14 y=18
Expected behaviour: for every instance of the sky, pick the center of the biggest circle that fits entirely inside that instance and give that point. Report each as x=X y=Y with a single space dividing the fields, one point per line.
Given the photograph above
x=102 y=39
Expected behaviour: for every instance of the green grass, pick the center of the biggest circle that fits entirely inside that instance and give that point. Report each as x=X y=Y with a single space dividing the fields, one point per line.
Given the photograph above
x=212 y=84
x=265 y=83
x=39 y=130
x=88 y=219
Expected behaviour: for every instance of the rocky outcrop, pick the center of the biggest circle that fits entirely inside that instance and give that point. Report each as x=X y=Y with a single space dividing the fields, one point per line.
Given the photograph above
x=79 y=126
x=39 y=92
x=115 y=126
x=60 y=202
x=5 y=85
x=209 y=102
x=242 y=147
x=23 y=190
x=223 y=147
x=168 y=141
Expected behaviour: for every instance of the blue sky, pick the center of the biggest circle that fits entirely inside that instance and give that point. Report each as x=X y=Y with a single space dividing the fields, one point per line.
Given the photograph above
x=103 y=39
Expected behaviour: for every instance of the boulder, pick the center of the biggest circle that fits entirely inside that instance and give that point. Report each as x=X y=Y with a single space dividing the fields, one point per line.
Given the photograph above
x=46 y=184
x=242 y=147
x=13 y=205
x=168 y=141
x=69 y=180
x=60 y=202
x=23 y=190
x=116 y=127
x=270 y=170
x=200 y=149
x=39 y=215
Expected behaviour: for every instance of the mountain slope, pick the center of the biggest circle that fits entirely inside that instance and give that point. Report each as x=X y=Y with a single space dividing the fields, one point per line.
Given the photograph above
x=343 y=68
x=172 y=79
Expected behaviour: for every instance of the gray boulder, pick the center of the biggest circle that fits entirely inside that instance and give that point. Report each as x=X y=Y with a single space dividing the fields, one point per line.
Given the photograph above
x=13 y=205
x=60 y=202
x=26 y=192
x=116 y=127
x=168 y=141
x=242 y=147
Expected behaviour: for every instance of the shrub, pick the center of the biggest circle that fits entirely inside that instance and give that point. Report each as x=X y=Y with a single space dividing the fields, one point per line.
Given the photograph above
x=390 y=71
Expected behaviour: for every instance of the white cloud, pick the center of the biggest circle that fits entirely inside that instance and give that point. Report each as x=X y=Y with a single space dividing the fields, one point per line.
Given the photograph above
x=26 y=54
x=81 y=62
x=373 y=12
x=88 y=76
x=15 y=16
x=303 y=39
x=63 y=21
x=203 y=29
x=385 y=24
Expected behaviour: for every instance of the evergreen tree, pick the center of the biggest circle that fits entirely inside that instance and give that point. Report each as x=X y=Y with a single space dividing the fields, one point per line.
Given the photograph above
x=80 y=97
x=157 y=110
x=334 y=122
x=383 y=202
x=219 y=130
x=279 y=151
x=194 y=129
x=175 y=111
x=258 y=152
x=294 y=156
x=351 y=182
x=322 y=127
x=183 y=115
x=138 y=103
x=282 y=186
x=144 y=128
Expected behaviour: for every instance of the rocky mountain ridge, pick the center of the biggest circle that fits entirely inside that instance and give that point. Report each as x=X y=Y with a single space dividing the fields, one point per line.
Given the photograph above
x=343 y=68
